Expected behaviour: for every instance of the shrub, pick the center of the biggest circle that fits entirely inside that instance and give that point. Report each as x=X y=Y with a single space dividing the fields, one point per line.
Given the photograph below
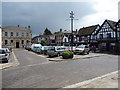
x=67 y=54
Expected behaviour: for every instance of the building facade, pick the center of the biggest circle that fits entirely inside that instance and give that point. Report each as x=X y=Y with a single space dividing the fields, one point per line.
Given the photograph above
x=16 y=36
x=50 y=39
x=107 y=35
x=118 y=36
x=88 y=35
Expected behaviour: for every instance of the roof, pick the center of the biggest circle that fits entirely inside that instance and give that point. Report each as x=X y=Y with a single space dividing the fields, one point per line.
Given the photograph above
x=66 y=31
x=111 y=23
x=15 y=28
x=87 y=30
x=117 y=22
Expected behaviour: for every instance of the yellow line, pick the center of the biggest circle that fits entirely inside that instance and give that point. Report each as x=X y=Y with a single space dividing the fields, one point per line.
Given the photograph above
x=16 y=62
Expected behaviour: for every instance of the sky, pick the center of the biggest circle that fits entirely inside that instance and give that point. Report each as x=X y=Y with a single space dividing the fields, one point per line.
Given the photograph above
x=56 y=14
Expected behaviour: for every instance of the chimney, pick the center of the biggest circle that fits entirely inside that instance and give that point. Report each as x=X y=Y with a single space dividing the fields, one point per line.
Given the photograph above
x=60 y=30
x=29 y=27
x=76 y=30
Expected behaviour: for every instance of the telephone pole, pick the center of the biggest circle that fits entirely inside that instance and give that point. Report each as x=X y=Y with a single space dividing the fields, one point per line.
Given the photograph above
x=71 y=21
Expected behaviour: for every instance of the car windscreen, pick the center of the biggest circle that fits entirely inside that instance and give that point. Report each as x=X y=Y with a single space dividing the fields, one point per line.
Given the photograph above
x=80 y=47
x=2 y=52
x=51 y=48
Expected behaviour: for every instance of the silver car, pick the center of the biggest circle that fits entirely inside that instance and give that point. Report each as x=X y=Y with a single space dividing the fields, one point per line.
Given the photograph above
x=56 y=50
x=82 y=49
x=4 y=55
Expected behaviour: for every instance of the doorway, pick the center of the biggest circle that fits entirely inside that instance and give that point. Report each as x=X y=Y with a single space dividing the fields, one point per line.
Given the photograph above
x=17 y=44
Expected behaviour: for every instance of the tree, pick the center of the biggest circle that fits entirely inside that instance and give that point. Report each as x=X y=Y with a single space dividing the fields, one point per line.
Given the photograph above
x=43 y=42
x=47 y=32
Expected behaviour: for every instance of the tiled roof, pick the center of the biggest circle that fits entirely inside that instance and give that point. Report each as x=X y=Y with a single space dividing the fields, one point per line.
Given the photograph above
x=87 y=30
x=111 y=23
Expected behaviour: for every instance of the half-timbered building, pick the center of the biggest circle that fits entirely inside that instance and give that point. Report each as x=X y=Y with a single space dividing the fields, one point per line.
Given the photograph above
x=107 y=35
x=118 y=35
x=118 y=30
x=88 y=35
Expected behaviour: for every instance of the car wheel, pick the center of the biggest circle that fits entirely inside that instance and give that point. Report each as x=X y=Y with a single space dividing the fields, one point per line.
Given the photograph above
x=50 y=56
x=87 y=52
x=58 y=54
x=83 y=53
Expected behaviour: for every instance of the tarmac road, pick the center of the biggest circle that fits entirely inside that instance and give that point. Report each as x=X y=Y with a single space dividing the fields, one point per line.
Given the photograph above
x=36 y=72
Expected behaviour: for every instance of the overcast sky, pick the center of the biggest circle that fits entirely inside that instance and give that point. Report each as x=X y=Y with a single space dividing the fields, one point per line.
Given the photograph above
x=53 y=15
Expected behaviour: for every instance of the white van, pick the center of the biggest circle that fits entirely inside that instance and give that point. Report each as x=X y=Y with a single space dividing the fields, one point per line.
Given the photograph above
x=35 y=45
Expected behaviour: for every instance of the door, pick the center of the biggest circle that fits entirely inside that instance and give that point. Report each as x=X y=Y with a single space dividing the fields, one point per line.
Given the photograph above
x=17 y=44
x=108 y=46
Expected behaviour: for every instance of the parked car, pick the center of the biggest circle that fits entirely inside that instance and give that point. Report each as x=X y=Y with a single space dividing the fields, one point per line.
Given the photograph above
x=69 y=48
x=56 y=51
x=28 y=48
x=4 y=55
x=42 y=50
x=82 y=49
x=7 y=50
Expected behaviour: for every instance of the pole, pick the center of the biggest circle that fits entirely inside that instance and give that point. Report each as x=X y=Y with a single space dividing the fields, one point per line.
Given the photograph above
x=72 y=17
x=71 y=35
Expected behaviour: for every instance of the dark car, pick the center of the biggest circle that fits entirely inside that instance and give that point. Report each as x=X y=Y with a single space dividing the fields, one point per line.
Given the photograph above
x=28 y=48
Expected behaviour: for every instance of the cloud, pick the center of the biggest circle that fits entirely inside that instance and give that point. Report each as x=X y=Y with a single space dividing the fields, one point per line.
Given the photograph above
x=41 y=15
x=53 y=15
x=107 y=9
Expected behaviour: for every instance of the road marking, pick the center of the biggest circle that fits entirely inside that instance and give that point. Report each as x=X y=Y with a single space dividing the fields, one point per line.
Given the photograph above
x=89 y=81
x=35 y=64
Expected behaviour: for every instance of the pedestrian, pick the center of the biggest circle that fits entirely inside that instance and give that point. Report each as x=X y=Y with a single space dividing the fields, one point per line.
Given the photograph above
x=91 y=48
x=94 y=48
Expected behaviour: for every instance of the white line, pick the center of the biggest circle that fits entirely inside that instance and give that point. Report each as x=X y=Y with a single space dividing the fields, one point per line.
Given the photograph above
x=15 y=58
x=89 y=81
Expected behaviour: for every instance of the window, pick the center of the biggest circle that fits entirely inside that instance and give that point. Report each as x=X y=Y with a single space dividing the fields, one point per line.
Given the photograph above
x=22 y=42
x=17 y=34
x=22 y=34
x=6 y=42
x=108 y=35
x=27 y=41
x=101 y=36
x=6 y=33
x=27 y=34
x=11 y=41
x=11 y=34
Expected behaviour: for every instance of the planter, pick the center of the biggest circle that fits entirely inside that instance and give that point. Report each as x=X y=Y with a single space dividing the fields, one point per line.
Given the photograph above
x=67 y=54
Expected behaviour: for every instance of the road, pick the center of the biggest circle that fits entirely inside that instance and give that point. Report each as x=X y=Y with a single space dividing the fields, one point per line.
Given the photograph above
x=37 y=72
